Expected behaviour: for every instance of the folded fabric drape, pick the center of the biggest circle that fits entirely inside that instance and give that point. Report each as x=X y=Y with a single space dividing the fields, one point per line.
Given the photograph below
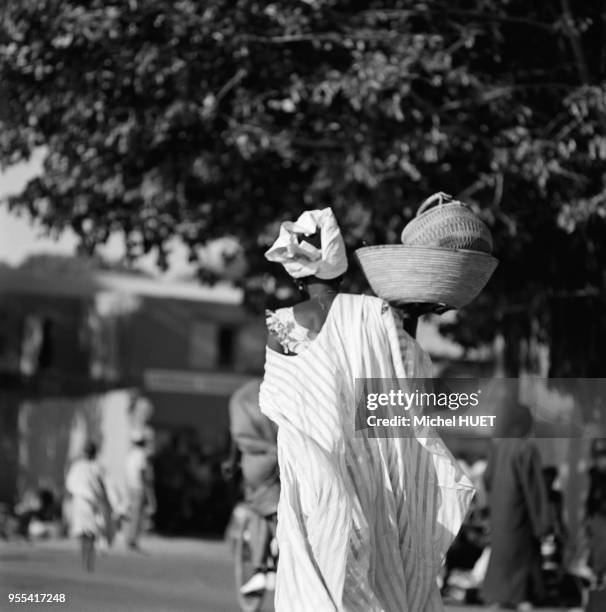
x=363 y=522
x=300 y=258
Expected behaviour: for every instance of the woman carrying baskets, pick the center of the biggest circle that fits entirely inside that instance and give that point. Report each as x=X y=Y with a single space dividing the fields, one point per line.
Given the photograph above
x=363 y=521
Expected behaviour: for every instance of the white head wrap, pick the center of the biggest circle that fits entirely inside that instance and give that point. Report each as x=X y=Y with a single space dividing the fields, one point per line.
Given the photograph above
x=303 y=259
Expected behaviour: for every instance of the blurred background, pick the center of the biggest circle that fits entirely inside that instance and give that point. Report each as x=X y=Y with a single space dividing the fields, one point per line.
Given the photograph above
x=150 y=149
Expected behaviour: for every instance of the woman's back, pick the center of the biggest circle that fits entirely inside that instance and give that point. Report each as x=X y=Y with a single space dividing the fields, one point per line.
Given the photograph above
x=354 y=518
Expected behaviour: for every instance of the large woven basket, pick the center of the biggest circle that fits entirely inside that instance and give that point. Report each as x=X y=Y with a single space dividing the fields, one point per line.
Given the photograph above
x=410 y=274
x=443 y=222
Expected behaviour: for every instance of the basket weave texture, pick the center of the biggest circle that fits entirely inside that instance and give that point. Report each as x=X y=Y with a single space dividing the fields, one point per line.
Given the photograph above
x=448 y=224
x=452 y=277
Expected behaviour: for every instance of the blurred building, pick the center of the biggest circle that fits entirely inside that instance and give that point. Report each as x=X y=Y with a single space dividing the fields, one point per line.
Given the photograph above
x=75 y=343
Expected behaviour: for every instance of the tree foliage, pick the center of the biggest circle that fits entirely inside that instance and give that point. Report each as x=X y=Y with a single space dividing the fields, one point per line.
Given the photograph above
x=205 y=119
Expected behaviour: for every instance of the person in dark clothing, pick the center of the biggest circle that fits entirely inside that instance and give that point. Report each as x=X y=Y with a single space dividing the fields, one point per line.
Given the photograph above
x=595 y=511
x=554 y=545
x=556 y=501
x=255 y=438
x=519 y=514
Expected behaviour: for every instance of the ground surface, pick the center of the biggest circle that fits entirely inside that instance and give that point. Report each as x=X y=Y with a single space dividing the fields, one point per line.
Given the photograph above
x=173 y=576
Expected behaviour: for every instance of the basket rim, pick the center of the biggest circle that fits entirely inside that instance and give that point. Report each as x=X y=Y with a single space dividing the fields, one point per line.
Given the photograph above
x=420 y=249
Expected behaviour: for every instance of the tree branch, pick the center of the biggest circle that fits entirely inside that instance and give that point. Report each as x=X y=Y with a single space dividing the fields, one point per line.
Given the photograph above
x=333 y=37
x=575 y=44
x=406 y=13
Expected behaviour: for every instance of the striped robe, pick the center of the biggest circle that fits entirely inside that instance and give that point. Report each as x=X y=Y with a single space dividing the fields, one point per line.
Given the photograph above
x=363 y=522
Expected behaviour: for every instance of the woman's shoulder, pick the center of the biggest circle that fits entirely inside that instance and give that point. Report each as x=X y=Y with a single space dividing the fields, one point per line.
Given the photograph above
x=360 y=297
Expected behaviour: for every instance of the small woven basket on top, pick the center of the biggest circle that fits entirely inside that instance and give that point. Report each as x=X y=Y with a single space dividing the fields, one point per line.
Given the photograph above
x=444 y=222
x=444 y=259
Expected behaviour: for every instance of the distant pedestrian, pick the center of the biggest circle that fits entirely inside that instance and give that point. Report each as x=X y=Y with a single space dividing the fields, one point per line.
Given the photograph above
x=90 y=504
x=553 y=546
x=139 y=481
x=256 y=439
x=596 y=513
x=519 y=515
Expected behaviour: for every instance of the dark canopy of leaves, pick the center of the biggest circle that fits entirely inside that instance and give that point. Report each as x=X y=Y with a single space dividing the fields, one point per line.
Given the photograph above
x=203 y=119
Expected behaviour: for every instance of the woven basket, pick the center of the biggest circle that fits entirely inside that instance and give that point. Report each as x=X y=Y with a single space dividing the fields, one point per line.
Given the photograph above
x=399 y=273
x=443 y=222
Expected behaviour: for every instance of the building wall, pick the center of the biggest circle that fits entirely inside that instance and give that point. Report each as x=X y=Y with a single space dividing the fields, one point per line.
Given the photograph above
x=206 y=415
x=9 y=451
x=52 y=432
x=191 y=336
x=188 y=358
x=62 y=350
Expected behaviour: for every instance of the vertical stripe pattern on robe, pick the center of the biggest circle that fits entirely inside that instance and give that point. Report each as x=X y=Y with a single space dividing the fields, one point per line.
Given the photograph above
x=363 y=522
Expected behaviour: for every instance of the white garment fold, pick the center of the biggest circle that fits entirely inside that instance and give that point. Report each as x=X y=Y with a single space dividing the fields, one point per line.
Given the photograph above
x=363 y=522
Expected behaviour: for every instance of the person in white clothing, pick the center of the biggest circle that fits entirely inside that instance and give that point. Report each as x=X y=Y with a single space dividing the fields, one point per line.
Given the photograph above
x=90 y=504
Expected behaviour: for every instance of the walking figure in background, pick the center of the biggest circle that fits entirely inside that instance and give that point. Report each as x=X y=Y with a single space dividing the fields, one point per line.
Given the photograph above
x=596 y=514
x=519 y=514
x=553 y=545
x=90 y=503
x=255 y=438
x=140 y=484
